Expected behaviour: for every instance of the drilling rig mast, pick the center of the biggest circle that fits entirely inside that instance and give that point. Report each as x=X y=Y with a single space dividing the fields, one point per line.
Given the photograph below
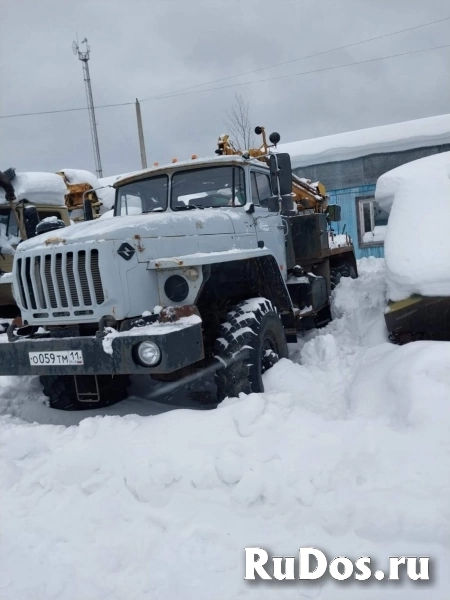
x=84 y=57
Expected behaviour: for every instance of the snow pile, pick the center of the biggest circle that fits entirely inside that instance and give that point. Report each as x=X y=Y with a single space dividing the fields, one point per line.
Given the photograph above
x=80 y=176
x=38 y=188
x=398 y=137
x=378 y=234
x=107 y=195
x=347 y=452
x=417 y=244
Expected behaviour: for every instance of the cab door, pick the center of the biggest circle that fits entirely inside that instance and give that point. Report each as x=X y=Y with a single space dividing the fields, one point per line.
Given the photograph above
x=268 y=225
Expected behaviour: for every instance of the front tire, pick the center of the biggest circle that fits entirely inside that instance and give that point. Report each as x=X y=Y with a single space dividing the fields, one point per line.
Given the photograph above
x=253 y=326
x=62 y=394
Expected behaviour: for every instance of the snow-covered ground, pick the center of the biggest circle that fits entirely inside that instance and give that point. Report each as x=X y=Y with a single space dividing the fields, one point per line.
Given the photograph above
x=347 y=452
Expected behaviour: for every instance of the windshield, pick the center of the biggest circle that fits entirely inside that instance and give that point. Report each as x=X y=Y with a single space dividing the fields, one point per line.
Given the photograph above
x=8 y=224
x=208 y=187
x=143 y=196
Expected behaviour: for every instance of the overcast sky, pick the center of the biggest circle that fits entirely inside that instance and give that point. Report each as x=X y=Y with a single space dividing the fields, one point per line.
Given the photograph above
x=143 y=48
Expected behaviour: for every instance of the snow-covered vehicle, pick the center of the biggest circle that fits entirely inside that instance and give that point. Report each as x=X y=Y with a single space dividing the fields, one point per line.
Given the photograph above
x=208 y=265
x=417 y=248
x=25 y=200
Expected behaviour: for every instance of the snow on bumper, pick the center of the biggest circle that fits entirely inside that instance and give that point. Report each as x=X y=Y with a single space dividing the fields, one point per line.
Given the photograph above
x=180 y=343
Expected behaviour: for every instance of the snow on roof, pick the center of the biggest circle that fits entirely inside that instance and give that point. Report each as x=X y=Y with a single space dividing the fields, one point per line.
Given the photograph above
x=353 y=144
x=80 y=176
x=185 y=163
x=38 y=188
x=417 y=244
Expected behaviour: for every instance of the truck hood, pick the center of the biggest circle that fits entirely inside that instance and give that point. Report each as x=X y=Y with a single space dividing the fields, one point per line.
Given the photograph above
x=150 y=225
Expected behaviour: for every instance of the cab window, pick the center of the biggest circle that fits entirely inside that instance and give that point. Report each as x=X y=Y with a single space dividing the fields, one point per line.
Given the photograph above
x=8 y=224
x=208 y=187
x=261 y=191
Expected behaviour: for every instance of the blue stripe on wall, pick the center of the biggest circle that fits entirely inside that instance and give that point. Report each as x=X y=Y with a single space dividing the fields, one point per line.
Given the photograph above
x=346 y=198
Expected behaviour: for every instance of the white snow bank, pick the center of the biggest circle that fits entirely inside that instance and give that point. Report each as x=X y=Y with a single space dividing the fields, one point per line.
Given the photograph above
x=38 y=188
x=347 y=452
x=353 y=144
x=417 y=243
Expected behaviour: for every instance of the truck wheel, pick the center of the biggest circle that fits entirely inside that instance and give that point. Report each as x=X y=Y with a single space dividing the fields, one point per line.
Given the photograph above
x=255 y=327
x=340 y=271
x=62 y=394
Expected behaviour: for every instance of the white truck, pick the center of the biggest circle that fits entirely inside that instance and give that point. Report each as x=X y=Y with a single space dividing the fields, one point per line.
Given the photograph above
x=207 y=265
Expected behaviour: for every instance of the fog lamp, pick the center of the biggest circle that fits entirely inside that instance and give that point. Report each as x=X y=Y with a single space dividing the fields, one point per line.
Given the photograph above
x=149 y=353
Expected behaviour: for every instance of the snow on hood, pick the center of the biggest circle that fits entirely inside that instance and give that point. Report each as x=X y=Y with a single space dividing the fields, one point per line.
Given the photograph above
x=353 y=144
x=151 y=225
x=417 y=244
x=38 y=188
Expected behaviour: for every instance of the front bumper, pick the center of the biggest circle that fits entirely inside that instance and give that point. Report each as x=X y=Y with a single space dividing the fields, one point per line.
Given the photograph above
x=179 y=348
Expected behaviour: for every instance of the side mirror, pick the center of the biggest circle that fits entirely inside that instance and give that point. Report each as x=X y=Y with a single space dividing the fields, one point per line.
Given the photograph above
x=31 y=220
x=334 y=212
x=87 y=209
x=49 y=224
x=281 y=173
x=273 y=204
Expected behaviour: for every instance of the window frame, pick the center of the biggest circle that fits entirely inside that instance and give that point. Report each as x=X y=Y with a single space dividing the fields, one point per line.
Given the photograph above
x=253 y=177
x=206 y=168
x=119 y=191
x=360 y=201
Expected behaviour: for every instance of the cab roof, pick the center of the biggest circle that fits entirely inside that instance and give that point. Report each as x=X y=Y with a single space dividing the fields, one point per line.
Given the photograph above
x=195 y=162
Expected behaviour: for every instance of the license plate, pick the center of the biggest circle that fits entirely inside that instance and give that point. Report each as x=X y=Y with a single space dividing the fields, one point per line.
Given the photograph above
x=64 y=357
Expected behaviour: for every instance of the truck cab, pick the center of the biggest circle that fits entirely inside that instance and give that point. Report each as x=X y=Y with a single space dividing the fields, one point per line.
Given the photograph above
x=14 y=229
x=207 y=265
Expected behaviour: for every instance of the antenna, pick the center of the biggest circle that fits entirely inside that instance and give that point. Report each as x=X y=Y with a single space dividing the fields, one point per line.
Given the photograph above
x=84 y=57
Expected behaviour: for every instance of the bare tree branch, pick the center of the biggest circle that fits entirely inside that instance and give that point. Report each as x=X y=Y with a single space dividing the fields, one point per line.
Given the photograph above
x=239 y=124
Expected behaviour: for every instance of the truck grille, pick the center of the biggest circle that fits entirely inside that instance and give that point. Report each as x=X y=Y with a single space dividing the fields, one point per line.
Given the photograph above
x=60 y=280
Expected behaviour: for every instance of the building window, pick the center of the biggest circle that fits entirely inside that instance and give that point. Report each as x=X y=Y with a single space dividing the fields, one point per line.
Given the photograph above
x=372 y=222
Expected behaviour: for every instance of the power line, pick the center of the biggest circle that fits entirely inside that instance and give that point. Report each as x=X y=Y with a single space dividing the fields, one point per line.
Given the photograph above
x=62 y=110
x=287 y=62
x=362 y=62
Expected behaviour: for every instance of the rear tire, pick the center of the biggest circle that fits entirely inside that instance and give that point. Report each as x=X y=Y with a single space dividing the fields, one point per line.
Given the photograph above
x=62 y=394
x=340 y=271
x=253 y=326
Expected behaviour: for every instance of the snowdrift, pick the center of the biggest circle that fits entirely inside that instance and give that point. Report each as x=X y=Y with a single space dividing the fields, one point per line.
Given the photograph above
x=417 y=244
x=347 y=452
x=38 y=188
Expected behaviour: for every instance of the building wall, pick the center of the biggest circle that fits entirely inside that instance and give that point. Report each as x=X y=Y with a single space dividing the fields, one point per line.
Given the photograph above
x=346 y=198
x=349 y=179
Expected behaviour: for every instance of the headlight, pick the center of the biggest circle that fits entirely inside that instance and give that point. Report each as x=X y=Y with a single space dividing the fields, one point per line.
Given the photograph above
x=148 y=354
x=176 y=288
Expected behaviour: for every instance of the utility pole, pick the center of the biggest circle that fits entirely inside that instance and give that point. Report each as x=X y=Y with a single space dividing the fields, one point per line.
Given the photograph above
x=141 y=135
x=84 y=57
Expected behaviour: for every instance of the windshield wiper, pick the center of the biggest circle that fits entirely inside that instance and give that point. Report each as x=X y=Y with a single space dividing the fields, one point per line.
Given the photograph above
x=187 y=207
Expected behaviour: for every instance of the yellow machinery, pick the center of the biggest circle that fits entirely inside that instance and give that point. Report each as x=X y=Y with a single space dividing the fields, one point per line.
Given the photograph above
x=76 y=193
x=308 y=196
